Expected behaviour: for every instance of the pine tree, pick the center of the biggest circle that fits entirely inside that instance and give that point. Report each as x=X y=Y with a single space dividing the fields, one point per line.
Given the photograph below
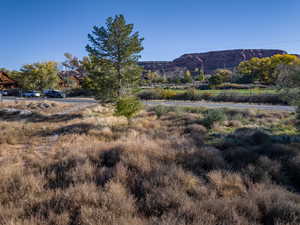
x=115 y=51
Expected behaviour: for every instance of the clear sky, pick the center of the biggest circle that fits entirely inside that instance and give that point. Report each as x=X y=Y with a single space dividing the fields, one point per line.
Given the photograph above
x=40 y=30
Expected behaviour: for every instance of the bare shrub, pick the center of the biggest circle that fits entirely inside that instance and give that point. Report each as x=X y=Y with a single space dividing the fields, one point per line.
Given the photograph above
x=227 y=184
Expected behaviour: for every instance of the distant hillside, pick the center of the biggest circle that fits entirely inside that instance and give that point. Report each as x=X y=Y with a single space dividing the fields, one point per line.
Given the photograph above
x=208 y=61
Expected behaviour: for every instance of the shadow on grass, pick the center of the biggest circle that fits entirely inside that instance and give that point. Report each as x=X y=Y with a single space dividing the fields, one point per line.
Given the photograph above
x=257 y=154
x=79 y=128
x=37 y=117
x=256 y=136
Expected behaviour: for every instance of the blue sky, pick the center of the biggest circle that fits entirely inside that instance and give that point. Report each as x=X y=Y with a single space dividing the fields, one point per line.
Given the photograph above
x=40 y=30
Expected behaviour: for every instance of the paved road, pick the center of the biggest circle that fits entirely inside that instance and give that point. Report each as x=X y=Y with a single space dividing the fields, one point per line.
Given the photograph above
x=64 y=100
x=171 y=103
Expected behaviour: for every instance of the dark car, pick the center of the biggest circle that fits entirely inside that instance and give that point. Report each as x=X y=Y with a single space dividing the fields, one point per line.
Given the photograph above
x=31 y=94
x=55 y=94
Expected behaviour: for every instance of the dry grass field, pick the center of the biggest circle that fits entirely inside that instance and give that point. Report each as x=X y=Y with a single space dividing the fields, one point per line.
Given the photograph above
x=168 y=166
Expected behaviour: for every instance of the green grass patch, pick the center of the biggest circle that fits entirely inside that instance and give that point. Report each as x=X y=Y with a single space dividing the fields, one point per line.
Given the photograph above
x=228 y=91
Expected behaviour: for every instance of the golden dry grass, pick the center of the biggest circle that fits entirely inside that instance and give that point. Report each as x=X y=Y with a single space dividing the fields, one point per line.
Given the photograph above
x=93 y=168
x=44 y=107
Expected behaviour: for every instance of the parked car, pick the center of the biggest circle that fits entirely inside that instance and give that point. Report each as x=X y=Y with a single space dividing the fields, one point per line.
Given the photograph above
x=13 y=92
x=4 y=92
x=48 y=90
x=55 y=94
x=31 y=94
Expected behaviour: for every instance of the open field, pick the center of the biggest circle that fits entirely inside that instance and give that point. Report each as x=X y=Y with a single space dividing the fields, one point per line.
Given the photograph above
x=169 y=165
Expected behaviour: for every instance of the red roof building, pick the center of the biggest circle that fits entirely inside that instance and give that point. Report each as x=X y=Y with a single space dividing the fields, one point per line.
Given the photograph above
x=6 y=82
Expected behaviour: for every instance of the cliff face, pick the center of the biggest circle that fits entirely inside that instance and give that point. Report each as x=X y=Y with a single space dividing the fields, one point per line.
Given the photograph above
x=208 y=61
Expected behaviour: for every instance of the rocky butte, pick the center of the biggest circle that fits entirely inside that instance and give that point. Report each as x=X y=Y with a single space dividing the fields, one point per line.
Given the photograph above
x=208 y=61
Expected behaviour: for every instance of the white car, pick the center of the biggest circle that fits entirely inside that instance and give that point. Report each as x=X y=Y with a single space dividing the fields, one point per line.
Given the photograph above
x=3 y=92
x=31 y=94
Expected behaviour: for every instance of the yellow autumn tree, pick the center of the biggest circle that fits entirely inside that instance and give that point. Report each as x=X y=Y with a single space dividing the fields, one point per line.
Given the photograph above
x=265 y=69
x=39 y=76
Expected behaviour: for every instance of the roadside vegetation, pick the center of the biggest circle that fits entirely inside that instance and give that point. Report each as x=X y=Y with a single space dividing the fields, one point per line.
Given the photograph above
x=269 y=96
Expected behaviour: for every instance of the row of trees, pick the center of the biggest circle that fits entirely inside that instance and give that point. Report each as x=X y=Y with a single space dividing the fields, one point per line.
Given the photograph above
x=152 y=77
x=256 y=70
x=265 y=70
x=40 y=76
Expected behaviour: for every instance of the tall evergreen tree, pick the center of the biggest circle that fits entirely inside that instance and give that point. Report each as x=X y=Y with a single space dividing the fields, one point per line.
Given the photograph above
x=115 y=51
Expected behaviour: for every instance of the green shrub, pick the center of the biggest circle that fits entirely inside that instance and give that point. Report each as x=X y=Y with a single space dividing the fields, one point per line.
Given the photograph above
x=160 y=110
x=75 y=92
x=215 y=80
x=166 y=94
x=158 y=93
x=191 y=109
x=233 y=86
x=127 y=106
x=225 y=74
x=212 y=116
x=149 y=95
x=192 y=94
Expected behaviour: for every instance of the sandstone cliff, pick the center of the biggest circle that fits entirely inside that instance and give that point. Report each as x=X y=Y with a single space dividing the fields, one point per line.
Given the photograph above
x=208 y=61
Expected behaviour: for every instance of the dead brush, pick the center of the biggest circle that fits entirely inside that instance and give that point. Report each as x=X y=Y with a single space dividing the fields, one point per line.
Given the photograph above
x=14 y=134
x=228 y=185
x=45 y=107
x=148 y=172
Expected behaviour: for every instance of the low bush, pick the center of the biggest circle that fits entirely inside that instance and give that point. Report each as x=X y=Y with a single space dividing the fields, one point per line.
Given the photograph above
x=128 y=107
x=166 y=93
x=149 y=95
x=254 y=98
x=79 y=92
x=240 y=86
x=196 y=129
x=213 y=116
x=161 y=110
x=194 y=95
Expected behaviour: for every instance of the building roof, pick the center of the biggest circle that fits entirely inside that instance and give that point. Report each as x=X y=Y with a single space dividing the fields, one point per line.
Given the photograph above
x=5 y=79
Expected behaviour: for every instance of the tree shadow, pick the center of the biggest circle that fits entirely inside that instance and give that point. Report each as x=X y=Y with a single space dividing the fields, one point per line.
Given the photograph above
x=37 y=117
x=258 y=136
x=261 y=156
x=79 y=128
